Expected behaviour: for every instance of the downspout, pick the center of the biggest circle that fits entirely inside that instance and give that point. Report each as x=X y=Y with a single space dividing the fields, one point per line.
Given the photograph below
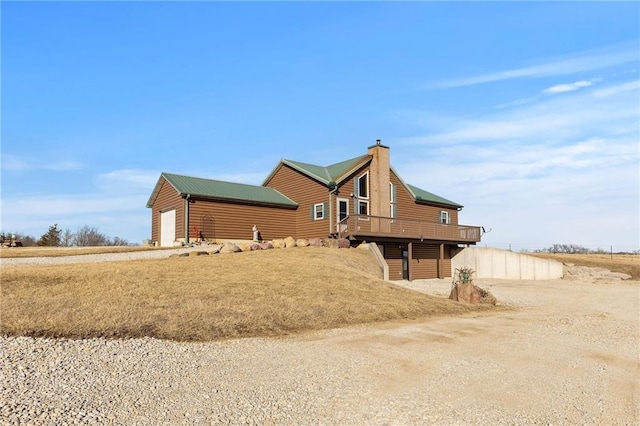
x=333 y=188
x=186 y=218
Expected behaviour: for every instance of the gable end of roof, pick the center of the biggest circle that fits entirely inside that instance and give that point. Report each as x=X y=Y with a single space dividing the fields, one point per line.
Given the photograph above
x=224 y=191
x=422 y=196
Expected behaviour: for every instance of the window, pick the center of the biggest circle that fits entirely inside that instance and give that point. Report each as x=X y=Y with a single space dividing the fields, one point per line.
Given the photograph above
x=363 y=186
x=363 y=207
x=318 y=211
x=392 y=200
x=361 y=194
x=444 y=217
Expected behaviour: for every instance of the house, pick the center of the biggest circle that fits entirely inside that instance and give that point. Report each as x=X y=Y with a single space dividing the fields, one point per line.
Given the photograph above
x=362 y=199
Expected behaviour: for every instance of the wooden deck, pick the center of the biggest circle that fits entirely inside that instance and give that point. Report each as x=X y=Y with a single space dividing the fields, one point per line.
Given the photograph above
x=357 y=226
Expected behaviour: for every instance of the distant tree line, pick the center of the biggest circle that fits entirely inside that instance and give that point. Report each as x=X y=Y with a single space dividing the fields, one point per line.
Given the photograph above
x=85 y=236
x=575 y=249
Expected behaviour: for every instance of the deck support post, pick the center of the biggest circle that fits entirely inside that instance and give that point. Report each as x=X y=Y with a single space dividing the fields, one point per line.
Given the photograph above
x=186 y=219
x=410 y=256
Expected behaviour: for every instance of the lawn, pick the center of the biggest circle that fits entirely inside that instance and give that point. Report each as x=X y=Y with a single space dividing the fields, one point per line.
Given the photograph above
x=15 y=252
x=201 y=298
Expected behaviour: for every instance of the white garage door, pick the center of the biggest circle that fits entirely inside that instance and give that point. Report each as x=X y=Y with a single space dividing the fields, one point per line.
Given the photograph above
x=167 y=228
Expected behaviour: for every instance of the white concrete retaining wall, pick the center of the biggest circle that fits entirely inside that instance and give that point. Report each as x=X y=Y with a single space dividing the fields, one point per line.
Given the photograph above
x=489 y=262
x=384 y=267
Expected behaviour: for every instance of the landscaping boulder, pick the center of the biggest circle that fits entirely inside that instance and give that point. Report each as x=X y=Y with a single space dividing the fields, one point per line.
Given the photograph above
x=469 y=293
x=255 y=246
x=343 y=243
x=215 y=248
x=302 y=243
x=244 y=247
x=278 y=244
x=265 y=245
x=230 y=248
x=315 y=242
x=330 y=243
x=197 y=253
x=289 y=242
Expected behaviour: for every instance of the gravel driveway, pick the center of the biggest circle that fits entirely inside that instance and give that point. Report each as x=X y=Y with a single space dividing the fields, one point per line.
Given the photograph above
x=566 y=354
x=93 y=258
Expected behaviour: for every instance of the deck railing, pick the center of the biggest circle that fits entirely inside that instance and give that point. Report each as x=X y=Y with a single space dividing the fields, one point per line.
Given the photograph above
x=376 y=226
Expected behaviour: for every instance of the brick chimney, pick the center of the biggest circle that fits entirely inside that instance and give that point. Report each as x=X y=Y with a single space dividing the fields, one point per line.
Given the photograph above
x=379 y=178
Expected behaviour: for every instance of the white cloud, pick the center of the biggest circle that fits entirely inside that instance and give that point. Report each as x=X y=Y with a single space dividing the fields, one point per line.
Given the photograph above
x=127 y=180
x=15 y=163
x=620 y=88
x=561 y=88
x=60 y=205
x=562 y=169
x=609 y=111
x=115 y=208
x=583 y=62
x=113 y=215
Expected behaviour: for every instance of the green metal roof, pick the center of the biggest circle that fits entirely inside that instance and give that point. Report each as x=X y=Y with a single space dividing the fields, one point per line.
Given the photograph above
x=215 y=189
x=339 y=171
x=421 y=195
x=342 y=169
x=332 y=173
x=317 y=172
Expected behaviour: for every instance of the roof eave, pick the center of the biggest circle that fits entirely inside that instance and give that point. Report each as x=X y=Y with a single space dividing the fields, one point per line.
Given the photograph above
x=240 y=201
x=435 y=203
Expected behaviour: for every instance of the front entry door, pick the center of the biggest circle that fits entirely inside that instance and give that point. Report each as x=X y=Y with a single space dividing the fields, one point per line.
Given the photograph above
x=405 y=262
x=342 y=213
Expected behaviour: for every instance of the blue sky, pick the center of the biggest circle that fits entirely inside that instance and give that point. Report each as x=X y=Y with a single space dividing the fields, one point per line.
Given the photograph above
x=527 y=113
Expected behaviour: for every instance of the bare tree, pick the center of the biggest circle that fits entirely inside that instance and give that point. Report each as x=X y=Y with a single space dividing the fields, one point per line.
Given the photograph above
x=566 y=249
x=66 y=240
x=117 y=241
x=26 y=240
x=89 y=237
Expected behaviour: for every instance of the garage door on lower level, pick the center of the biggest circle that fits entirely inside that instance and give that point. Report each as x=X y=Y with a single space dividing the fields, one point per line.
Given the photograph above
x=167 y=228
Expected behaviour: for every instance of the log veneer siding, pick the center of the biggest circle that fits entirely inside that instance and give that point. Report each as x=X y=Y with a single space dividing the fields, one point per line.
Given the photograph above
x=408 y=208
x=222 y=220
x=306 y=192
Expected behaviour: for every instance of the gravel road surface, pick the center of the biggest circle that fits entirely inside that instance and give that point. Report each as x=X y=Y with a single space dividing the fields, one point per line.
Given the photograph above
x=93 y=258
x=567 y=353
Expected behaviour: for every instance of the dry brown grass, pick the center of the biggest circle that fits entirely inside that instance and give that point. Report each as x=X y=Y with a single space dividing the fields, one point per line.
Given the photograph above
x=12 y=252
x=626 y=263
x=261 y=293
